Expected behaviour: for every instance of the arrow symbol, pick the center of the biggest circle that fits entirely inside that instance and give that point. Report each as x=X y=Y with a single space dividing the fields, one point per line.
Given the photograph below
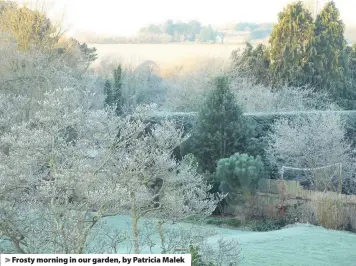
x=7 y=260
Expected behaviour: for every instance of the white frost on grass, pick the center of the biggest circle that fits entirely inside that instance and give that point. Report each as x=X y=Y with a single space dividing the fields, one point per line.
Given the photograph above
x=301 y=244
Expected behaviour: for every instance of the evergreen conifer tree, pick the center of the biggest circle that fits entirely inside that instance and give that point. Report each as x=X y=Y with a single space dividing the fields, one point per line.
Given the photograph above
x=253 y=63
x=352 y=62
x=117 y=92
x=114 y=92
x=221 y=127
x=290 y=41
x=108 y=92
x=328 y=53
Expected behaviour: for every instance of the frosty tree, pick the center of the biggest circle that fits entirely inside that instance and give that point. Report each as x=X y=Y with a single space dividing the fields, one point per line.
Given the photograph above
x=70 y=159
x=151 y=182
x=310 y=141
x=47 y=181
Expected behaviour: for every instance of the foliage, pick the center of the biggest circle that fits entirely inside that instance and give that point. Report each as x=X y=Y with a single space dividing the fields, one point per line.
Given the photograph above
x=134 y=85
x=114 y=92
x=352 y=62
x=231 y=222
x=74 y=54
x=188 y=87
x=261 y=99
x=227 y=253
x=259 y=34
x=197 y=258
x=66 y=161
x=108 y=92
x=267 y=224
x=196 y=240
x=245 y=26
x=252 y=63
x=349 y=102
x=328 y=60
x=47 y=208
x=151 y=29
x=262 y=123
x=27 y=76
x=290 y=41
x=88 y=55
x=331 y=213
x=118 y=81
x=309 y=141
x=52 y=172
x=207 y=34
x=255 y=27
x=30 y=28
x=142 y=85
x=239 y=173
x=180 y=31
x=220 y=129
x=304 y=52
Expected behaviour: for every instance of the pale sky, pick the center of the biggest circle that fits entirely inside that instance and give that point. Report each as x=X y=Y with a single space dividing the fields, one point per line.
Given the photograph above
x=125 y=17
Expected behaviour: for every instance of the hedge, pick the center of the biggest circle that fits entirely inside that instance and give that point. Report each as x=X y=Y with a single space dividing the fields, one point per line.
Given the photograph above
x=260 y=122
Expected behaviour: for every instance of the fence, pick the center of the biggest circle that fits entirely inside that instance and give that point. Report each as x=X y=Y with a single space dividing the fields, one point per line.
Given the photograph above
x=330 y=209
x=293 y=190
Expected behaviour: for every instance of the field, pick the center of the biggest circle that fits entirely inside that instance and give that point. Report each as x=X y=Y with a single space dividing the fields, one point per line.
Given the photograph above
x=299 y=245
x=165 y=55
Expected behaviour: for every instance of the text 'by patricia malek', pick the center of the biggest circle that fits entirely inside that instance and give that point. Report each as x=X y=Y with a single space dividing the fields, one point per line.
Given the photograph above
x=91 y=259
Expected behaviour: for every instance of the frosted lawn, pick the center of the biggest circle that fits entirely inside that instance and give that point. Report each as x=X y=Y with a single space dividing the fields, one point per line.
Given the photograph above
x=297 y=245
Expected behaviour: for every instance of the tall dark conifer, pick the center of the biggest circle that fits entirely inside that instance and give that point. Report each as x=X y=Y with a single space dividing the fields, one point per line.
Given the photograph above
x=328 y=53
x=221 y=128
x=113 y=92
x=290 y=41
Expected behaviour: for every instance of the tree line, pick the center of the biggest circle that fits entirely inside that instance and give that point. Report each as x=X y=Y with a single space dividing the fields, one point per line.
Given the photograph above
x=303 y=51
x=192 y=31
x=182 y=32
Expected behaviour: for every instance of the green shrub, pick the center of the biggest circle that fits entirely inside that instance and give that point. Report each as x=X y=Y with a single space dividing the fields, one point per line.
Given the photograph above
x=239 y=174
x=219 y=221
x=233 y=222
x=267 y=224
x=213 y=221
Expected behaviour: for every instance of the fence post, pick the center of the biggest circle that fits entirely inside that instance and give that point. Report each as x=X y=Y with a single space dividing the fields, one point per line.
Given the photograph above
x=282 y=172
x=340 y=178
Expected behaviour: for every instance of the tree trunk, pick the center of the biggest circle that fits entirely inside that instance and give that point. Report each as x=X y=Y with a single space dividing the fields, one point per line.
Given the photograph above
x=134 y=223
x=161 y=236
